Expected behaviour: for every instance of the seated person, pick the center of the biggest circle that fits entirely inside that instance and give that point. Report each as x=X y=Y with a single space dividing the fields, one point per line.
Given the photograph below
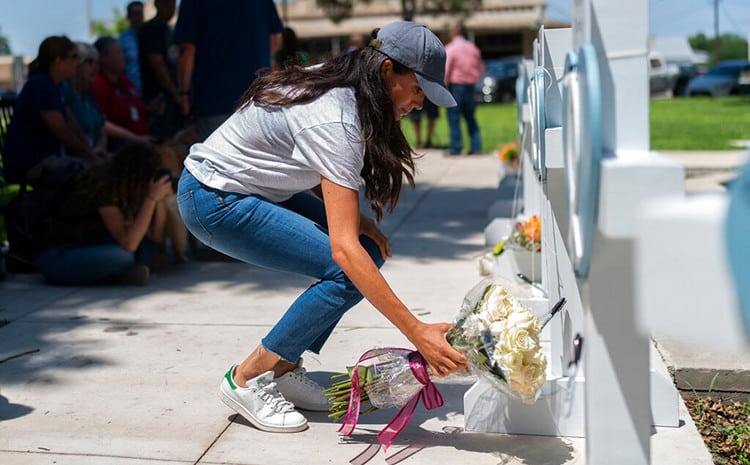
x=127 y=120
x=126 y=114
x=39 y=128
x=108 y=222
x=85 y=118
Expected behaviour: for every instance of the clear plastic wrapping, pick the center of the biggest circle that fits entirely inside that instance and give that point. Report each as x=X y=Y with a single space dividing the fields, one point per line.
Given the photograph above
x=496 y=333
x=393 y=383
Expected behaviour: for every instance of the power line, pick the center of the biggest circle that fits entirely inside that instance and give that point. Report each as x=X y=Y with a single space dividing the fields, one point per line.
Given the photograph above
x=731 y=19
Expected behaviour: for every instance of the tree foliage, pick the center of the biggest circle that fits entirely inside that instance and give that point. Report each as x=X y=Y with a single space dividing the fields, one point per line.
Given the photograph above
x=4 y=45
x=113 y=28
x=339 y=10
x=731 y=46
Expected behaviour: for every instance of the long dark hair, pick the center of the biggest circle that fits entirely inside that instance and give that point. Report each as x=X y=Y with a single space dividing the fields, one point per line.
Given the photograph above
x=388 y=157
x=51 y=48
x=125 y=178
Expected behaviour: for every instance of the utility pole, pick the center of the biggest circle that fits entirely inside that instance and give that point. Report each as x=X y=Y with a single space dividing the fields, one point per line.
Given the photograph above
x=717 y=40
x=407 y=9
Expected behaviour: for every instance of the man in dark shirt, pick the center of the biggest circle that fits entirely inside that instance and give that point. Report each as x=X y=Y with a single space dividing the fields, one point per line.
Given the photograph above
x=158 y=58
x=222 y=44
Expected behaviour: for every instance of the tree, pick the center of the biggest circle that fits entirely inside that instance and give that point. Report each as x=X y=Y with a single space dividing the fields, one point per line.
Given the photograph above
x=110 y=28
x=339 y=10
x=731 y=46
x=4 y=45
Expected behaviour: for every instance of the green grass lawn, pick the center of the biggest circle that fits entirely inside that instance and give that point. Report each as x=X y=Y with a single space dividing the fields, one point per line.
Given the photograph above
x=699 y=123
x=676 y=124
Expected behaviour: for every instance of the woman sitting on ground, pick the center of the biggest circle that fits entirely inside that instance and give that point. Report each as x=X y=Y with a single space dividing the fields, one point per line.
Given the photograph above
x=107 y=225
x=39 y=128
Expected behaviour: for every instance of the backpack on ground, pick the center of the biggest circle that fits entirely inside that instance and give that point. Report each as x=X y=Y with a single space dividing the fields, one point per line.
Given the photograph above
x=28 y=213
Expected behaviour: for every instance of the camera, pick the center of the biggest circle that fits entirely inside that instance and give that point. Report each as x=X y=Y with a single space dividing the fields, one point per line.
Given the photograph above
x=165 y=172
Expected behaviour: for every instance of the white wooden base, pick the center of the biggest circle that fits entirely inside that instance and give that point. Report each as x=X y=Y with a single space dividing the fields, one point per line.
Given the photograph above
x=488 y=410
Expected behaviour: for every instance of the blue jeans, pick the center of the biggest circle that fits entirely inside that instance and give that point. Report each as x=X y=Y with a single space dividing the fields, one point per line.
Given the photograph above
x=288 y=236
x=81 y=265
x=466 y=107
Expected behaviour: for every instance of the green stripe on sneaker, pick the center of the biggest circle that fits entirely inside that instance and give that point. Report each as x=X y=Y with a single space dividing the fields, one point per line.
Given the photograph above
x=228 y=376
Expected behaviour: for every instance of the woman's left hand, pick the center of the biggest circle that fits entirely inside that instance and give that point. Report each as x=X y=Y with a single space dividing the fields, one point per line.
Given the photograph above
x=368 y=227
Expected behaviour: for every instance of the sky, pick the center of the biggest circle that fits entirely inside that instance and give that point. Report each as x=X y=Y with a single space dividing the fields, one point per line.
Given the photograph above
x=27 y=22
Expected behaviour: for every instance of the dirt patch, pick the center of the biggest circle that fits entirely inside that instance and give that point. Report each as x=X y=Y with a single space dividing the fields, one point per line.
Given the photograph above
x=724 y=423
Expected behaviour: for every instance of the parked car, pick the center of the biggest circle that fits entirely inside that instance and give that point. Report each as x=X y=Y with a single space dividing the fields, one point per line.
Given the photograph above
x=661 y=76
x=728 y=77
x=685 y=74
x=498 y=84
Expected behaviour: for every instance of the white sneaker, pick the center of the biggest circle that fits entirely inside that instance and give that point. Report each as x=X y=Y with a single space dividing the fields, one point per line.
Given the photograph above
x=261 y=404
x=303 y=392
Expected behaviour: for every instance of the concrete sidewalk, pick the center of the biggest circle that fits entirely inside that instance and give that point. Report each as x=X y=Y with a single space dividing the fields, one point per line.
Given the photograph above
x=125 y=375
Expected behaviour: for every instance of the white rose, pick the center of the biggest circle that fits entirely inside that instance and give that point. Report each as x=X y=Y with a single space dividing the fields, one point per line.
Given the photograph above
x=519 y=339
x=528 y=379
x=509 y=361
x=494 y=305
x=524 y=319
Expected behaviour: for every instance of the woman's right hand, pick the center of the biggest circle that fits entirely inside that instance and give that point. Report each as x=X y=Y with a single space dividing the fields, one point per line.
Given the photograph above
x=160 y=188
x=429 y=339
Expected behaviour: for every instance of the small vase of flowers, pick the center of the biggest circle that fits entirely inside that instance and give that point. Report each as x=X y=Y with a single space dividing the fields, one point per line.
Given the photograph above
x=526 y=243
x=510 y=157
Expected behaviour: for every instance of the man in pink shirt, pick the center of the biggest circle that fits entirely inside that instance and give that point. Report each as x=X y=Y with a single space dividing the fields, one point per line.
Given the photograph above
x=463 y=69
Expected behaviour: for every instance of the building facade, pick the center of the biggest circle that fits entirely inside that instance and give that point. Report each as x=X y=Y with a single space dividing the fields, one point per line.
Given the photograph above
x=499 y=27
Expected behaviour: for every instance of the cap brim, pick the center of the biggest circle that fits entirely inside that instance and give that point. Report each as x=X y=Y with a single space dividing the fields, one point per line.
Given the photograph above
x=436 y=92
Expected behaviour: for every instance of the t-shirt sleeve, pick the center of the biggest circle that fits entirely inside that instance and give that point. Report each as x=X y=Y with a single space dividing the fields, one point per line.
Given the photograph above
x=334 y=149
x=184 y=30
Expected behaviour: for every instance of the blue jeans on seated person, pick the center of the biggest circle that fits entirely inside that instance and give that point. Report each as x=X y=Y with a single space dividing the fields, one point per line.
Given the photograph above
x=289 y=236
x=81 y=265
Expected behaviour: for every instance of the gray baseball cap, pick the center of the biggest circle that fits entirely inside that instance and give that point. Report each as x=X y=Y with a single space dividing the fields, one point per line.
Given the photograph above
x=417 y=48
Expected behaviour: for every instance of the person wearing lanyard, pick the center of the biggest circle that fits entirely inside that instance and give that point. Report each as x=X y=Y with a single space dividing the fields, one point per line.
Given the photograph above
x=118 y=98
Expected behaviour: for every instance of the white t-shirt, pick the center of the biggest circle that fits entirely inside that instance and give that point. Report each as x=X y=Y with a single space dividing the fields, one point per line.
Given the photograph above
x=278 y=152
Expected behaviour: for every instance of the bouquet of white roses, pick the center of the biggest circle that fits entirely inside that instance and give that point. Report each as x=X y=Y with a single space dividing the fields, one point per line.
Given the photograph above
x=500 y=338
x=497 y=334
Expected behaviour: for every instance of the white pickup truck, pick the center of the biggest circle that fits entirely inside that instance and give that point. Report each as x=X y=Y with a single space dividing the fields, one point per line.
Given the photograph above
x=661 y=76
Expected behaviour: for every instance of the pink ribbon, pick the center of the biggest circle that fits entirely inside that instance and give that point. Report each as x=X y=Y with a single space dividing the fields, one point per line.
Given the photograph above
x=429 y=394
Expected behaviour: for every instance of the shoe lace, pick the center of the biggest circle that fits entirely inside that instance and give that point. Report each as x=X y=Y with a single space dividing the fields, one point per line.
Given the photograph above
x=275 y=399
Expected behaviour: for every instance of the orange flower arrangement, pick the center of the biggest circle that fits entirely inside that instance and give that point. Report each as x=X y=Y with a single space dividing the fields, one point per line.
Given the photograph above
x=509 y=152
x=528 y=234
